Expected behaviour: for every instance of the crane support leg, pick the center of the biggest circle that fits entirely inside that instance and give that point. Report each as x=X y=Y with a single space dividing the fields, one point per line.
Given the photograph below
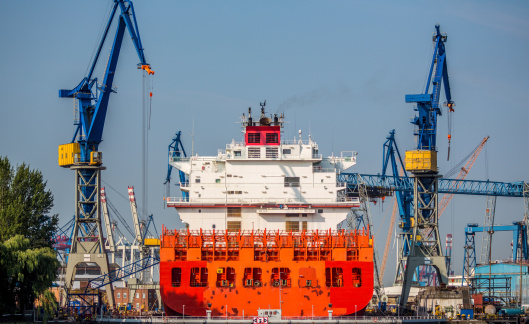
x=425 y=244
x=87 y=239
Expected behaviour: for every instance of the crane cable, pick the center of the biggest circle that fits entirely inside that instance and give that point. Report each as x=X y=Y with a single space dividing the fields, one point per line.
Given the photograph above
x=450 y=106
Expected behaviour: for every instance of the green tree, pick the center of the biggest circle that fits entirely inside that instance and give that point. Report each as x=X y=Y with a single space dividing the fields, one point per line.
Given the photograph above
x=28 y=263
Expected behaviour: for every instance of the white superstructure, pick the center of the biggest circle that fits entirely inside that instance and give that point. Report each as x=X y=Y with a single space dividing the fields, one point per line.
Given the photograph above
x=264 y=183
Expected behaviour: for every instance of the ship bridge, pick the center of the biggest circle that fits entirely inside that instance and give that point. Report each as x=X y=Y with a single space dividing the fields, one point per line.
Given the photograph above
x=266 y=180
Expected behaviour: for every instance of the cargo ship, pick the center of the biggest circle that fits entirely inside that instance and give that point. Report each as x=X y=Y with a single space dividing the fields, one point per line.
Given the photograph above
x=263 y=221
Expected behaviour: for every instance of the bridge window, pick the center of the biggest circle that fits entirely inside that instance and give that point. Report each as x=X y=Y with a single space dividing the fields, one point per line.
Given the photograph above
x=271 y=152
x=254 y=138
x=254 y=152
x=272 y=138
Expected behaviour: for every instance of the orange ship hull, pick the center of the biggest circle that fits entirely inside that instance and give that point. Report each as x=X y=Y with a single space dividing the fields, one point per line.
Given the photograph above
x=302 y=274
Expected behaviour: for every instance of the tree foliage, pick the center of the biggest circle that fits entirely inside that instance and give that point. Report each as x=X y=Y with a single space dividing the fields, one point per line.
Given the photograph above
x=28 y=263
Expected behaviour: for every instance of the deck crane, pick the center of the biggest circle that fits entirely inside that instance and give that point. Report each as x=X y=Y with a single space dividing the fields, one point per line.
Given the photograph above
x=82 y=153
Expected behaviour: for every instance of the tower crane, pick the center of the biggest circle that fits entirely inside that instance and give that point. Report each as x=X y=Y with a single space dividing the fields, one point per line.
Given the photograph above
x=82 y=153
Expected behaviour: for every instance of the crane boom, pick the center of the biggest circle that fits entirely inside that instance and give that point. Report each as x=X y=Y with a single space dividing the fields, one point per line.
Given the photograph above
x=93 y=104
x=461 y=176
x=135 y=218
x=388 y=240
x=108 y=227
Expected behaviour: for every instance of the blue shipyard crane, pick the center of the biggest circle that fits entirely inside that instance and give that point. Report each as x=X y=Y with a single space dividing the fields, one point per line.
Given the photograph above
x=520 y=248
x=82 y=154
x=378 y=184
x=425 y=245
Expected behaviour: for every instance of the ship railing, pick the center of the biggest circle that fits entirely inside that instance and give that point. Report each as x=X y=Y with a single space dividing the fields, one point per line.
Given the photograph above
x=295 y=142
x=250 y=201
x=235 y=145
x=177 y=158
x=177 y=199
x=318 y=169
x=187 y=159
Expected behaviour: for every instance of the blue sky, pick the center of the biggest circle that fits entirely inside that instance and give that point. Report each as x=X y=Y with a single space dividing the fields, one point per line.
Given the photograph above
x=338 y=69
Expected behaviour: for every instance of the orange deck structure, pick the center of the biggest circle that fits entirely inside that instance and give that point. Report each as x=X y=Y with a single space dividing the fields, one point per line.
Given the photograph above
x=302 y=273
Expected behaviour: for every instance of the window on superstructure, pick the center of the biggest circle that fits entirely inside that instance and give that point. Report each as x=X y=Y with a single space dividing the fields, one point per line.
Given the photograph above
x=176 y=277
x=357 y=277
x=303 y=215
x=334 y=277
x=304 y=225
x=199 y=277
x=292 y=215
x=217 y=180
x=234 y=211
x=237 y=153
x=272 y=152
x=292 y=226
x=197 y=180
x=254 y=152
x=287 y=151
x=291 y=181
x=254 y=138
x=272 y=138
x=233 y=226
